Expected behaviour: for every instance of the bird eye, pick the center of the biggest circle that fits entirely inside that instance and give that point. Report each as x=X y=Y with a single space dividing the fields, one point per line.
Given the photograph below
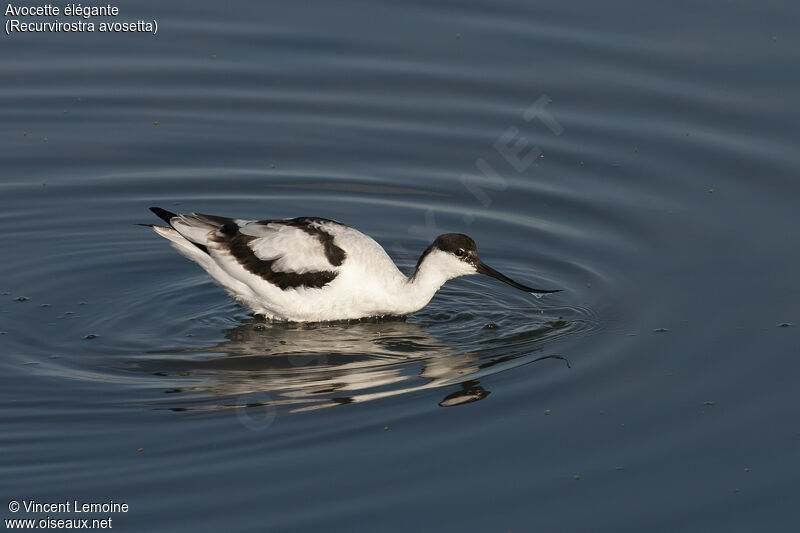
x=460 y=252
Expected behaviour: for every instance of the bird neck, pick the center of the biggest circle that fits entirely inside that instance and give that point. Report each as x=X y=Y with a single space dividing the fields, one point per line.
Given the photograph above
x=421 y=287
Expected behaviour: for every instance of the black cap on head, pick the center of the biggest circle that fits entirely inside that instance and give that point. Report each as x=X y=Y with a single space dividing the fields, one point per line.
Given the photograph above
x=457 y=244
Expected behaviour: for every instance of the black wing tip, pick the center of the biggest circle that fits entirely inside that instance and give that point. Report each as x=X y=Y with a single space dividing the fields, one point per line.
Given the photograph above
x=163 y=214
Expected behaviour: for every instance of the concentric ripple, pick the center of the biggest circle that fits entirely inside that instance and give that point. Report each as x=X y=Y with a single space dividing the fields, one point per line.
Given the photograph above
x=151 y=320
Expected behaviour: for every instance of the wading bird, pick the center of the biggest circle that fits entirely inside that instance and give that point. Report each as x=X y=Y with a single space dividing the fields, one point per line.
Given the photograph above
x=312 y=269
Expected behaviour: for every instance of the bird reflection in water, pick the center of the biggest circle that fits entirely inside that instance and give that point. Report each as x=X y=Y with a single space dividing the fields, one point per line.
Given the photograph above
x=301 y=367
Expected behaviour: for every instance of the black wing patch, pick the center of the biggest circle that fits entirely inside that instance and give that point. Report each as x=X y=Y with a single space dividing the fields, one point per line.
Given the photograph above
x=239 y=246
x=163 y=214
x=333 y=253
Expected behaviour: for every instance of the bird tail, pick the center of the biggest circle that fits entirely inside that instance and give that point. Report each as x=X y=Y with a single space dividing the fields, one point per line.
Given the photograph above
x=196 y=228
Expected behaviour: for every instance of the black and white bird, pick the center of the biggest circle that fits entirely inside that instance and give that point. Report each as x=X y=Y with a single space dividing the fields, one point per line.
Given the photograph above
x=311 y=269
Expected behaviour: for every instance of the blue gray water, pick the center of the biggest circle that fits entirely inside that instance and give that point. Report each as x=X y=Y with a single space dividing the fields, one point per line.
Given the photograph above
x=655 y=180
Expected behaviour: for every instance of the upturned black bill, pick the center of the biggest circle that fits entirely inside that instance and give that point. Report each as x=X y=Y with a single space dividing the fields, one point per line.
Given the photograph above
x=483 y=268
